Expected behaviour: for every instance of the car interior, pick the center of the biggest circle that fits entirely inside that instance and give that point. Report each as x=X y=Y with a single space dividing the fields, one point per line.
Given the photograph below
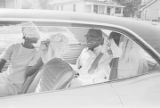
x=130 y=59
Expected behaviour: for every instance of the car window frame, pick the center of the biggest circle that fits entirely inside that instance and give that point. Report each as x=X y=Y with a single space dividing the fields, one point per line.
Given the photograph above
x=65 y=23
x=124 y=31
x=71 y=23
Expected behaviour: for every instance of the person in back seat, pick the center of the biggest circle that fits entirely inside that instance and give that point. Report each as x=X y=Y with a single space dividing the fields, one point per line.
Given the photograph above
x=19 y=56
x=114 y=39
x=93 y=62
x=133 y=64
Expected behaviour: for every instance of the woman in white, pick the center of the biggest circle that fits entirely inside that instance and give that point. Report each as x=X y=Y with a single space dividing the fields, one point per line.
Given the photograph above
x=134 y=60
x=19 y=56
x=55 y=45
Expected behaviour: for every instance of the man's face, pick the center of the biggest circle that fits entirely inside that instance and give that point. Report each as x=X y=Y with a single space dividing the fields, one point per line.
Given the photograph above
x=32 y=40
x=93 y=40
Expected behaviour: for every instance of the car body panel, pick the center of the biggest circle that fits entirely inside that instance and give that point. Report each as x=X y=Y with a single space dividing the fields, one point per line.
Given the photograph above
x=95 y=96
x=141 y=92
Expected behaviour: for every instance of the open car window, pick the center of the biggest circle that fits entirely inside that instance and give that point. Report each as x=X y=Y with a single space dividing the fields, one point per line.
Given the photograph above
x=134 y=60
x=91 y=61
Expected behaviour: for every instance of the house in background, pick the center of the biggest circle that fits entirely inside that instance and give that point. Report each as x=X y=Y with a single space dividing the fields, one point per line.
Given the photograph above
x=151 y=11
x=107 y=7
x=10 y=3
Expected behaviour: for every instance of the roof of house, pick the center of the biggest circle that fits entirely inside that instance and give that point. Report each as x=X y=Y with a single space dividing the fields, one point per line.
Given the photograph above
x=63 y=2
x=101 y=2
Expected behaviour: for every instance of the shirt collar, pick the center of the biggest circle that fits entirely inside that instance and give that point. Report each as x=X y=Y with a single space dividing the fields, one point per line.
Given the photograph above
x=96 y=50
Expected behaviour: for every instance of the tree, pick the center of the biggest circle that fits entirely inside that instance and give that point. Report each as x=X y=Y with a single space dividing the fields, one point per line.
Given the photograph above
x=131 y=7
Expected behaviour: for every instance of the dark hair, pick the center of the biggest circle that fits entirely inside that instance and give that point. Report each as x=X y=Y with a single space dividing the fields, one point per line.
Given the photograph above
x=115 y=36
x=96 y=32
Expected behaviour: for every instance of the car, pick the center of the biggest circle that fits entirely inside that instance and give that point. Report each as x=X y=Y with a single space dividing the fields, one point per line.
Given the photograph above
x=137 y=83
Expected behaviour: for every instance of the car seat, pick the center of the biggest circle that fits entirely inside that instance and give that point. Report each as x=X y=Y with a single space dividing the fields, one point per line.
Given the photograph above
x=56 y=74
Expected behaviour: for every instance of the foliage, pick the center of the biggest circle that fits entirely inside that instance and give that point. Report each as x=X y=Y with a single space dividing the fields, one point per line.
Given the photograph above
x=131 y=7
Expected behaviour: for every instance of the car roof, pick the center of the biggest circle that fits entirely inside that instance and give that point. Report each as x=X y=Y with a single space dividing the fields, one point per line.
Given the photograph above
x=147 y=31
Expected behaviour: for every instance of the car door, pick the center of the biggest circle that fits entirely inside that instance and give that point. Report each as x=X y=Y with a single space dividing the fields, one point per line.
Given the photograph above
x=138 y=78
x=139 y=92
x=94 y=96
x=90 y=96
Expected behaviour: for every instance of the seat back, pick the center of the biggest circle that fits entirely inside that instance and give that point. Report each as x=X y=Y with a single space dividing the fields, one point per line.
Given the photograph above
x=32 y=86
x=63 y=81
x=56 y=74
x=27 y=83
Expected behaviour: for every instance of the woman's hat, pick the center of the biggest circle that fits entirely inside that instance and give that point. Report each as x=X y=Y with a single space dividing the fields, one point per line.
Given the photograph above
x=30 y=30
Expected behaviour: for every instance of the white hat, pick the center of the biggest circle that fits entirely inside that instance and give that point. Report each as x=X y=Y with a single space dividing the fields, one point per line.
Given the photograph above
x=31 y=30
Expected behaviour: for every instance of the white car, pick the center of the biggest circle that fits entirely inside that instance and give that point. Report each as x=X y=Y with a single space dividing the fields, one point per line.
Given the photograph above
x=137 y=84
